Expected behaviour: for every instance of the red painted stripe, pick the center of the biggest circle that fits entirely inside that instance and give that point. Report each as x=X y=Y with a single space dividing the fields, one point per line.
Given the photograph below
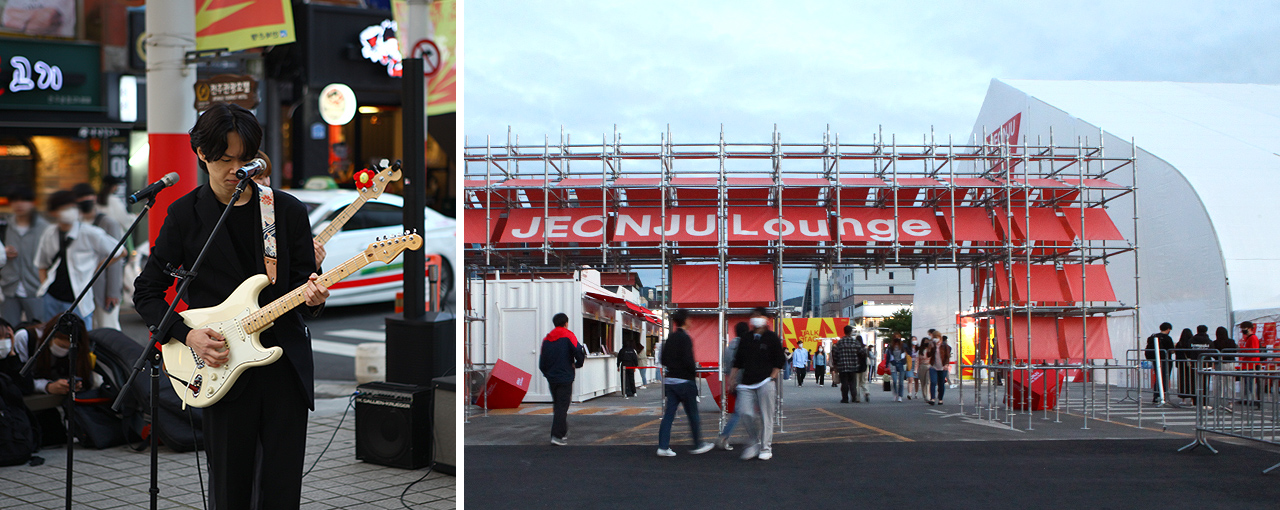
x=368 y=281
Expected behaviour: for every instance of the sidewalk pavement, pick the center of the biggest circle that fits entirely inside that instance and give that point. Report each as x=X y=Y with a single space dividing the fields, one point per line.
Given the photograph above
x=119 y=477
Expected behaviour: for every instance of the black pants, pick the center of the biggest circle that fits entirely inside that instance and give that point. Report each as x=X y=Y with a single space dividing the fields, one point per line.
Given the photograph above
x=628 y=382
x=800 y=371
x=1166 y=367
x=819 y=371
x=561 y=393
x=846 y=386
x=256 y=439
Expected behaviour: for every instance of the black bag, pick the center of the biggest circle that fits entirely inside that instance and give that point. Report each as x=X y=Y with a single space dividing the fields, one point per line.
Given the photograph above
x=116 y=353
x=180 y=430
x=18 y=436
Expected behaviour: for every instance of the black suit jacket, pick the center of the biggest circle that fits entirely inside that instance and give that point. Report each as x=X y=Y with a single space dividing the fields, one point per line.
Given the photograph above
x=189 y=223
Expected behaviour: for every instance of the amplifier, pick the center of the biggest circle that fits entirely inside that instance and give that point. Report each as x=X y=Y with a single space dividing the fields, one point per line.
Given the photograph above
x=445 y=424
x=393 y=424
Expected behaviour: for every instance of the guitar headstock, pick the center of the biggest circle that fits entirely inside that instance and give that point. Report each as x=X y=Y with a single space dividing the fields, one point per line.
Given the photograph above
x=388 y=248
x=379 y=181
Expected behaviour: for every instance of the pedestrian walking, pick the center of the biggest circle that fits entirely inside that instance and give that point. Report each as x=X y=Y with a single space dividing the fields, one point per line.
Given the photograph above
x=67 y=256
x=800 y=362
x=819 y=365
x=562 y=354
x=1200 y=344
x=628 y=359
x=740 y=330
x=939 y=359
x=20 y=233
x=681 y=386
x=107 y=290
x=1160 y=344
x=756 y=367
x=896 y=354
x=921 y=367
x=1249 y=343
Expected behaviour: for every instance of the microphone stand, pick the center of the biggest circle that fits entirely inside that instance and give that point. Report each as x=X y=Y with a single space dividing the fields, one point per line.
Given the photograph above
x=152 y=354
x=68 y=322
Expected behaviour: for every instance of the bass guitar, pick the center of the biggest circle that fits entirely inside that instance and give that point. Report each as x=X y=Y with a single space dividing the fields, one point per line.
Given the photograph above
x=240 y=320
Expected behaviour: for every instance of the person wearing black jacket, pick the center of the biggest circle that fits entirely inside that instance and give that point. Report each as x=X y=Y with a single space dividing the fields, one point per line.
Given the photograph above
x=759 y=362
x=627 y=360
x=256 y=434
x=680 y=382
x=1163 y=343
x=1186 y=365
x=562 y=354
x=1200 y=343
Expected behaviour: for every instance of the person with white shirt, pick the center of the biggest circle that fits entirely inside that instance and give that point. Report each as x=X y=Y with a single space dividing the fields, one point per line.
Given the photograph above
x=67 y=257
x=20 y=234
x=800 y=362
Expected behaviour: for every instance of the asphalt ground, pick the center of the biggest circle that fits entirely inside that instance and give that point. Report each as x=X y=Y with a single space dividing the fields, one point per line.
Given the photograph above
x=880 y=452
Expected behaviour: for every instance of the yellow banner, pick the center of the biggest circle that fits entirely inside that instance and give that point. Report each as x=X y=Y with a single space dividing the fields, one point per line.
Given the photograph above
x=242 y=24
x=809 y=331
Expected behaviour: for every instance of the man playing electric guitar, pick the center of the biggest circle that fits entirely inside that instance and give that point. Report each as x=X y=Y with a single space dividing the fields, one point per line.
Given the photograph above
x=255 y=435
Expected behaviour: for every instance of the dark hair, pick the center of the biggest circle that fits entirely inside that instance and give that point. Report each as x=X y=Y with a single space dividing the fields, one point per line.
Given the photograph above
x=108 y=183
x=761 y=311
x=848 y=330
x=59 y=199
x=932 y=331
x=1246 y=325
x=22 y=192
x=83 y=190
x=560 y=320
x=1165 y=326
x=944 y=338
x=1222 y=334
x=680 y=316
x=1186 y=336
x=209 y=135
x=266 y=170
x=741 y=329
x=1202 y=329
x=84 y=351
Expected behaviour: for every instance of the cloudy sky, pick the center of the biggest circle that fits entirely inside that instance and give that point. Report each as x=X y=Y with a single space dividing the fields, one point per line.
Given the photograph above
x=907 y=67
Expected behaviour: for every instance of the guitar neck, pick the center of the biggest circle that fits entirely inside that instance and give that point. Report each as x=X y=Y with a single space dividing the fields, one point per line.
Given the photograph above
x=259 y=320
x=341 y=220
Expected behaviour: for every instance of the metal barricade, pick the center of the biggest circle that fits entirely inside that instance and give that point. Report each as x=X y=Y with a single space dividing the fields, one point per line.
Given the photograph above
x=1239 y=396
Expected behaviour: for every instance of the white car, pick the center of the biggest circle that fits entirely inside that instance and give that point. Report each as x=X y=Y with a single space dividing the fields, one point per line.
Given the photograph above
x=383 y=216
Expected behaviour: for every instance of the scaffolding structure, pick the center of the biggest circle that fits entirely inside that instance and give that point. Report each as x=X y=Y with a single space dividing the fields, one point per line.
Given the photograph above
x=995 y=207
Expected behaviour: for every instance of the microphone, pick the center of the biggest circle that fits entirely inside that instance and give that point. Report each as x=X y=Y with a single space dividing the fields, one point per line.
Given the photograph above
x=252 y=169
x=153 y=188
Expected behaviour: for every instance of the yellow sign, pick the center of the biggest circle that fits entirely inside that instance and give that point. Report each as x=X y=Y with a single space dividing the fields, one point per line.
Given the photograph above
x=241 y=24
x=810 y=331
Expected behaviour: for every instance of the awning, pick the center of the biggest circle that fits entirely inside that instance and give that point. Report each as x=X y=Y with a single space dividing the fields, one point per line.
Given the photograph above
x=971 y=224
x=606 y=298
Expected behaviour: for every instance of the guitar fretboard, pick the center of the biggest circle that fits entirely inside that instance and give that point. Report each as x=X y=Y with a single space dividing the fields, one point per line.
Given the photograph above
x=340 y=220
x=259 y=320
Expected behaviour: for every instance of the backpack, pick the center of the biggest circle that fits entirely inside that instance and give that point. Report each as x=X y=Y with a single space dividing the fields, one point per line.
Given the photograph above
x=19 y=438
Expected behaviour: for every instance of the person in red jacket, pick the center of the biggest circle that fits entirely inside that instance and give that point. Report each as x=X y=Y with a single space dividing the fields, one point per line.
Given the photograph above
x=562 y=354
x=1249 y=343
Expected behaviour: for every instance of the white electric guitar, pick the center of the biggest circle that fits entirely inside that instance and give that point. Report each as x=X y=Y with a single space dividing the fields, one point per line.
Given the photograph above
x=240 y=321
x=376 y=186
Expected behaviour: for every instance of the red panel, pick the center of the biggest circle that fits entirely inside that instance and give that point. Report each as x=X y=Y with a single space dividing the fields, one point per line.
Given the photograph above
x=975 y=182
x=1097 y=224
x=480 y=198
x=473 y=221
x=867 y=224
x=695 y=286
x=702 y=329
x=1046 y=286
x=703 y=195
x=641 y=191
x=909 y=190
x=533 y=190
x=751 y=285
x=802 y=191
x=504 y=388
x=1044 y=338
x=526 y=225
x=1098 y=286
x=588 y=191
x=971 y=224
x=762 y=224
x=170 y=152
x=1045 y=225
x=1092 y=183
x=856 y=191
x=1043 y=389
x=1071 y=333
x=644 y=224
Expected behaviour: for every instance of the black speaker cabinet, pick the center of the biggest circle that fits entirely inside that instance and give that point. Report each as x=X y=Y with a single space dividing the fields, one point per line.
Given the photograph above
x=419 y=351
x=393 y=424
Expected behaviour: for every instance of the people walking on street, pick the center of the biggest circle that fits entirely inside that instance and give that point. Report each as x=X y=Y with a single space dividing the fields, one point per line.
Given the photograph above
x=1249 y=343
x=800 y=362
x=20 y=233
x=681 y=385
x=627 y=361
x=562 y=354
x=819 y=365
x=67 y=257
x=897 y=356
x=1162 y=343
x=921 y=364
x=108 y=288
x=756 y=367
x=740 y=330
x=850 y=357
x=939 y=361
x=1200 y=344
x=863 y=370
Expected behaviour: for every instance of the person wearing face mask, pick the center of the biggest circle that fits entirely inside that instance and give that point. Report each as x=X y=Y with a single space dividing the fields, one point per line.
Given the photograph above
x=106 y=291
x=20 y=234
x=256 y=434
x=756 y=367
x=52 y=369
x=67 y=257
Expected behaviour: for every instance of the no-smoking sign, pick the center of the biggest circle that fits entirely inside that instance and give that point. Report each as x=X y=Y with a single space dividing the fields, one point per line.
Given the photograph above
x=427 y=50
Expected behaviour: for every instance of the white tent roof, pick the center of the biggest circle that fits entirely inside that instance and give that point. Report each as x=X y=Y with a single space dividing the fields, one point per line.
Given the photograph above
x=1223 y=138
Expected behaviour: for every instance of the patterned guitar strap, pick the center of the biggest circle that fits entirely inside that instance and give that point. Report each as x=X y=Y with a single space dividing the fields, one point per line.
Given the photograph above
x=267 y=203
